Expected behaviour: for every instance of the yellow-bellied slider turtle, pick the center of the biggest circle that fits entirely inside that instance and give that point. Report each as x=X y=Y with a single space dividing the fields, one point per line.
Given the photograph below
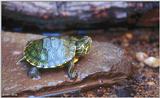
x=51 y=52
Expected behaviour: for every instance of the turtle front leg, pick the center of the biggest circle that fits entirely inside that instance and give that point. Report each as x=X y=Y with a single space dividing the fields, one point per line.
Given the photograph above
x=71 y=73
x=33 y=73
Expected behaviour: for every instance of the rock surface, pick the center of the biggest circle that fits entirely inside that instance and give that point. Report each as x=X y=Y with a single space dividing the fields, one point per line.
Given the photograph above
x=105 y=64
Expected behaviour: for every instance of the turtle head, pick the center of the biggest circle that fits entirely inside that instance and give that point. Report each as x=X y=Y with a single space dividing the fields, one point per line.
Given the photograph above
x=83 y=45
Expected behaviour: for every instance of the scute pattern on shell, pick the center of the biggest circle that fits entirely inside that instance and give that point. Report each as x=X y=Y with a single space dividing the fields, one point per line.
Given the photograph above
x=50 y=52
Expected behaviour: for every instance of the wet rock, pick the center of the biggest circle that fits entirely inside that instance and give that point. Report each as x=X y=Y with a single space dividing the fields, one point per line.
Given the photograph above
x=100 y=59
x=105 y=64
x=141 y=56
x=152 y=62
x=150 y=83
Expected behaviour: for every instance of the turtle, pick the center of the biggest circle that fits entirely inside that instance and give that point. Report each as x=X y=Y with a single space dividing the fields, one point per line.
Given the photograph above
x=54 y=52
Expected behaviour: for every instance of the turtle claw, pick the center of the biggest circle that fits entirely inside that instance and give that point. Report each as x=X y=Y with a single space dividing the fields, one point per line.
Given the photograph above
x=36 y=78
x=34 y=73
x=72 y=75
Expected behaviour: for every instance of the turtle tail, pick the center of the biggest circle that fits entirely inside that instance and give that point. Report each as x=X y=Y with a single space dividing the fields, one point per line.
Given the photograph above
x=18 y=62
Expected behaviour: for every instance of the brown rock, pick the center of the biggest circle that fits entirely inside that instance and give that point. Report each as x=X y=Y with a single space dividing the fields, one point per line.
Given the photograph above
x=141 y=56
x=105 y=64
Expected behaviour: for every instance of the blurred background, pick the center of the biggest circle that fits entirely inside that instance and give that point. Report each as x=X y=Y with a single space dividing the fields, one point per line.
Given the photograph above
x=53 y=16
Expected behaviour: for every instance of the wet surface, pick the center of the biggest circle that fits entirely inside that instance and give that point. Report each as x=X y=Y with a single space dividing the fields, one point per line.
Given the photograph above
x=145 y=82
x=106 y=64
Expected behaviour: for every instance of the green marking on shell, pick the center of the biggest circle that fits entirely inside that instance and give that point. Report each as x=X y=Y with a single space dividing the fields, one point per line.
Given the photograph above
x=50 y=52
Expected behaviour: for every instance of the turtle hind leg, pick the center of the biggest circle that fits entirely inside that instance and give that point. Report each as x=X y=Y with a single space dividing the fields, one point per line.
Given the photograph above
x=33 y=73
x=71 y=73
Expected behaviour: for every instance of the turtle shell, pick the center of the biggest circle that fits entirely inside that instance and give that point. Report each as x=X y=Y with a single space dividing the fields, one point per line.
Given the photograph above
x=50 y=52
